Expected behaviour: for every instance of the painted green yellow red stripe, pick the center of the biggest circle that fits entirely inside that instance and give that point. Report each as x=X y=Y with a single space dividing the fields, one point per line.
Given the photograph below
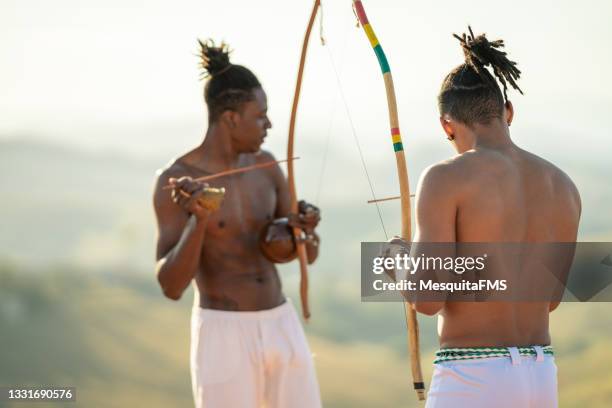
x=397 y=139
x=384 y=66
x=380 y=54
x=371 y=36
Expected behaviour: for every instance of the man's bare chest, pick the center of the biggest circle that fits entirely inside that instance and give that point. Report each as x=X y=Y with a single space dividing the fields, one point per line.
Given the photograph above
x=249 y=203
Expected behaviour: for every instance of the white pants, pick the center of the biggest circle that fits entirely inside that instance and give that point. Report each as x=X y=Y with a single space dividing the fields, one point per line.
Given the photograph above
x=251 y=360
x=500 y=382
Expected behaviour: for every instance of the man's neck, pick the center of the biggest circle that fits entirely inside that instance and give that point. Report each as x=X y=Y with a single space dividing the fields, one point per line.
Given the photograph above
x=492 y=136
x=215 y=153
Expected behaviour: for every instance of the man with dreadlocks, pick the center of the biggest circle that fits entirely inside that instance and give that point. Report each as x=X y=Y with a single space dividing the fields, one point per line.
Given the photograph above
x=248 y=348
x=493 y=354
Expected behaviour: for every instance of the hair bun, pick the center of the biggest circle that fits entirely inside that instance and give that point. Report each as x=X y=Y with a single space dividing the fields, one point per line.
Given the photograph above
x=214 y=59
x=480 y=52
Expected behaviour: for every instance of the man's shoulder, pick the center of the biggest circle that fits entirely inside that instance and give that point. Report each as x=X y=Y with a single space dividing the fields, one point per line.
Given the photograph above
x=460 y=175
x=555 y=174
x=446 y=171
x=264 y=156
x=553 y=179
x=441 y=178
x=174 y=168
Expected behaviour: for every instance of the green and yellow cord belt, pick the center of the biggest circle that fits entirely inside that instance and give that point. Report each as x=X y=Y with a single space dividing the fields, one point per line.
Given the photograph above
x=469 y=353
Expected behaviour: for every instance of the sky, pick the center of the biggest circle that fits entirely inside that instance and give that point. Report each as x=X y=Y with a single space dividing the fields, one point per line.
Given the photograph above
x=118 y=73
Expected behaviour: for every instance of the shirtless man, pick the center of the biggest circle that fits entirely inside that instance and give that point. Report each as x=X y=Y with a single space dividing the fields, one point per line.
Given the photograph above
x=492 y=191
x=248 y=348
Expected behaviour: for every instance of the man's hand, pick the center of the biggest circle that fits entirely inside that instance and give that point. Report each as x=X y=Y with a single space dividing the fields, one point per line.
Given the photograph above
x=397 y=246
x=186 y=192
x=307 y=219
x=394 y=246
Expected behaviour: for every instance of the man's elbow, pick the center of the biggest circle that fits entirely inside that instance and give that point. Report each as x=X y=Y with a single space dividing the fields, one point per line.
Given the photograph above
x=171 y=293
x=428 y=308
x=168 y=289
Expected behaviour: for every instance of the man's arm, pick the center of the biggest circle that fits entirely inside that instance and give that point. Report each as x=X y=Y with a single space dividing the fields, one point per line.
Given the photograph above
x=570 y=234
x=181 y=223
x=436 y=209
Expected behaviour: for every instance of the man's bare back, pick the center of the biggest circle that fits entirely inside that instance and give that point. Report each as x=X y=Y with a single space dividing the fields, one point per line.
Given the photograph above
x=498 y=197
x=497 y=194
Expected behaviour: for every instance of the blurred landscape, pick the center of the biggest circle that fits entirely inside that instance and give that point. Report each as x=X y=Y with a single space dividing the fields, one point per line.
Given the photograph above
x=79 y=304
x=96 y=96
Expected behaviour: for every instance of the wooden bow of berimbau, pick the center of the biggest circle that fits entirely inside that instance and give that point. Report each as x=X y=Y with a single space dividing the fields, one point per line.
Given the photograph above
x=402 y=171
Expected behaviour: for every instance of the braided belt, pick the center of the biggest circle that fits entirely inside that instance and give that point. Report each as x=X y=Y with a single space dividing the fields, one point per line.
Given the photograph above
x=470 y=353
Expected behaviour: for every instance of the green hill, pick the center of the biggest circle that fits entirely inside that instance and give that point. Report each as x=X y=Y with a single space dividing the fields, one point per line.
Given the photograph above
x=96 y=320
x=122 y=345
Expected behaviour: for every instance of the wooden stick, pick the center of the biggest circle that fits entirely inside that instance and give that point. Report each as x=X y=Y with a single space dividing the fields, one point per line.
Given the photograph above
x=378 y=200
x=300 y=246
x=236 y=171
x=402 y=172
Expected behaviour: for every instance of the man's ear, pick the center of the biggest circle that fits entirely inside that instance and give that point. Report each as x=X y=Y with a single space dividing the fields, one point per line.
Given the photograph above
x=230 y=118
x=509 y=112
x=447 y=125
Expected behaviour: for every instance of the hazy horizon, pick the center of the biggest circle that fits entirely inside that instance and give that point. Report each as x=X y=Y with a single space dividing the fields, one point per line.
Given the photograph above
x=104 y=74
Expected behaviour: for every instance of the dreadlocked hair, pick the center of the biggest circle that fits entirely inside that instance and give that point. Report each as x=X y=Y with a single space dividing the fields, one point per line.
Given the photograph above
x=228 y=86
x=469 y=93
